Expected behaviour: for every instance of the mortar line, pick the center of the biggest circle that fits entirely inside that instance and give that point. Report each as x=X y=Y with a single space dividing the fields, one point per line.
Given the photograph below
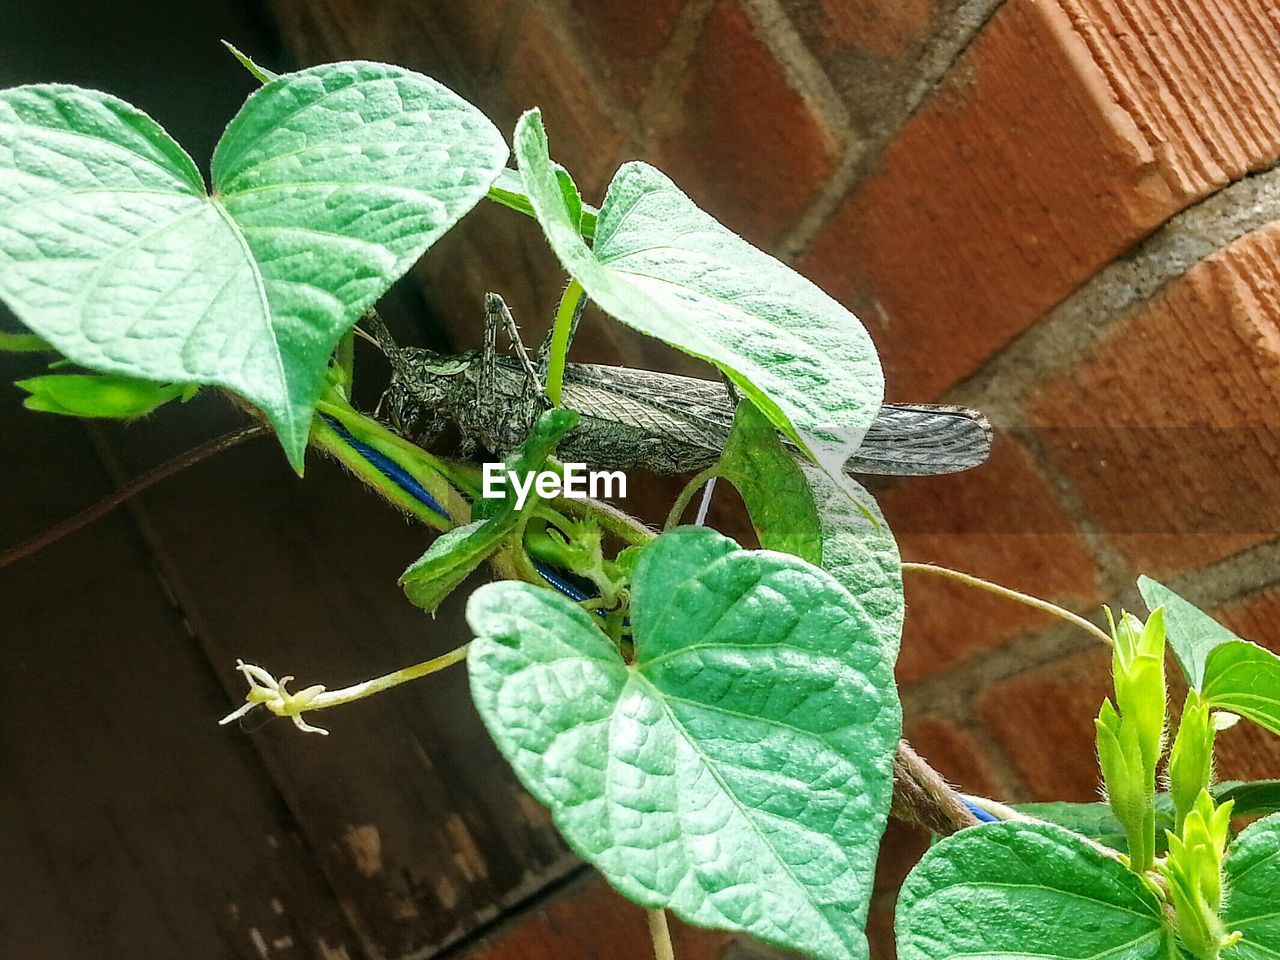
x=668 y=69
x=803 y=72
x=941 y=52
x=1057 y=341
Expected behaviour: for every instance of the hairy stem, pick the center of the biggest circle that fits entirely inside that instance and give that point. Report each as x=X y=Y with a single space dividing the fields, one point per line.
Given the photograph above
x=660 y=933
x=1010 y=594
x=921 y=795
x=327 y=440
x=611 y=520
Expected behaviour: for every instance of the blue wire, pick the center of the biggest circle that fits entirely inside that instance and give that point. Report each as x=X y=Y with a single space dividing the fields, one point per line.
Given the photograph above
x=982 y=815
x=406 y=482
x=388 y=468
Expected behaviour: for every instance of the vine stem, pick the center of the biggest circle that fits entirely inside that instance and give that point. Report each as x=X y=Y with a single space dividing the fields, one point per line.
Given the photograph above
x=358 y=691
x=686 y=495
x=1010 y=594
x=660 y=933
x=571 y=304
x=922 y=796
x=130 y=489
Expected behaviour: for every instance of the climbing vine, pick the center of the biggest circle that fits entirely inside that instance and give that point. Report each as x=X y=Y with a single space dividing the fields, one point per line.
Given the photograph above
x=716 y=729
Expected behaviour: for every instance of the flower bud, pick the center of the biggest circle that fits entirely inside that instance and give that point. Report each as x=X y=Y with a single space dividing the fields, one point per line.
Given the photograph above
x=1193 y=871
x=1191 y=759
x=1130 y=732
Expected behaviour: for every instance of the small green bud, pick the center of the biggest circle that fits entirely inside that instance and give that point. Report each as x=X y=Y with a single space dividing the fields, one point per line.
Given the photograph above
x=1193 y=871
x=1130 y=732
x=96 y=395
x=1191 y=759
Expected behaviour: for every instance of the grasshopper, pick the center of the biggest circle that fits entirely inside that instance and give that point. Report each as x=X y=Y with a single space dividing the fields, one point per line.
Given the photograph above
x=630 y=419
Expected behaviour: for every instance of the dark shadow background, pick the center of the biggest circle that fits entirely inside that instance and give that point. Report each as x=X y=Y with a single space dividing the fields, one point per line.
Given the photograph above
x=131 y=825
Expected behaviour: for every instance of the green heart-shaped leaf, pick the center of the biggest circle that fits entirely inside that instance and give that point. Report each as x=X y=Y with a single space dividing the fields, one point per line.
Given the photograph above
x=1253 y=891
x=738 y=771
x=1244 y=678
x=1007 y=890
x=795 y=508
x=668 y=269
x=327 y=186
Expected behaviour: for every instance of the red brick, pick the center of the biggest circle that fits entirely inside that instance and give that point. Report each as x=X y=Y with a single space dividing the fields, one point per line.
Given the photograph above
x=455 y=43
x=870 y=49
x=590 y=920
x=627 y=38
x=542 y=73
x=874 y=26
x=1001 y=521
x=1055 y=142
x=743 y=142
x=953 y=753
x=1044 y=721
x=1167 y=428
x=1255 y=617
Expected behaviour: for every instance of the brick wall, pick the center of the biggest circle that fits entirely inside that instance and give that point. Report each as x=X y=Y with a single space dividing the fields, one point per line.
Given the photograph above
x=1062 y=211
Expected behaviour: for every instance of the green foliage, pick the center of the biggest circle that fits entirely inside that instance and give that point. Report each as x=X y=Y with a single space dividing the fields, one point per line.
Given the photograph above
x=96 y=395
x=1009 y=890
x=1232 y=674
x=772 y=485
x=1193 y=872
x=1191 y=759
x=261 y=74
x=508 y=190
x=666 y=268
x=738 y=770
x=1244 y=678
x=24 y=343
x=1253 y=878
x=1130 y=733
x=455 y=555
x=795 y=508
x=1096 y=821
x=1192 y=632
x=452 y=557
x=327 y=186
x=719 y=740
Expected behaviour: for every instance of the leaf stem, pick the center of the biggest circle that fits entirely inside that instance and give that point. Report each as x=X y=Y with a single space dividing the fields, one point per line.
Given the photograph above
x=359 y=691
x=612 y=520
x=660 y=933
x=686 y=495
x=1010 y=594
x=571 y=304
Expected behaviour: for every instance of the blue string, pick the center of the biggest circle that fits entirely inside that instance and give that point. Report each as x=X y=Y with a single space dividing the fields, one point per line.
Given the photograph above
x=409 y=484
x=982 y=815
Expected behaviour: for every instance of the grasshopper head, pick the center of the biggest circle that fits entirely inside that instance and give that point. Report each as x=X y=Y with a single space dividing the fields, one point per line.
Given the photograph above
x=425 y=390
